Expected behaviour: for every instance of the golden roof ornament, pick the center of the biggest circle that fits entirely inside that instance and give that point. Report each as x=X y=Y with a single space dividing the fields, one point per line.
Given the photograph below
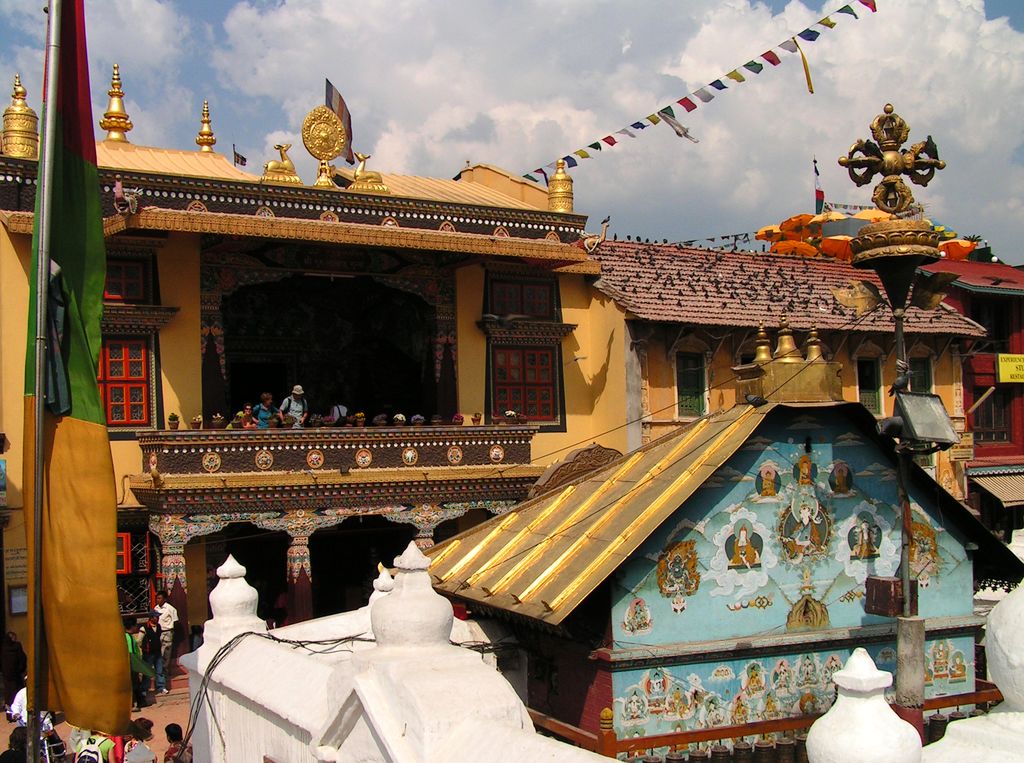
x=893 y=248
x=560 y=189
x=324 y=136
x=367 y=181
x=281 y=171
x=205 y=139
x=763 y=351
x=786 y=350
x=115 y=119
x=21 y=126
x=812 y=347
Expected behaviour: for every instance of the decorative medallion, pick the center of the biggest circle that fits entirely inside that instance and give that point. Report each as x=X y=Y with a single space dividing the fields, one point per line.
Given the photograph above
x=329 y=217
x=500 y=232
x=152 y=461
x=552 y=236
x=410 y=456
x=323 y=134
x=196 y=206
x=211 y=462
x=264 y=211
x=447 y=227
x=363 y=458
x=389 y=222
x=315 y=459
x=454 y=455
x=496 y=454
x=264 y=459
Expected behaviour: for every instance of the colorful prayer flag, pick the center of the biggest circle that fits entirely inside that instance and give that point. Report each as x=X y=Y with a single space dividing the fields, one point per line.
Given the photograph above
x=540 y=171
x=704 y=95
x=819 y=193
x=639 y=126
x=84 y=660
x=609 y=140
x=789 y=46
x=653 y=119
x=848 y=10
x=771 y=57
x=680 y=129
x=582 y=154
x=736 y=76
x=753 y=66
x=807 y=68
x=687 y=104
x=570 y=161
x=528 y=176
x=827 y=22
x=810 y=35
x=626 y=132
x=718 y=84
x=239 y=160
x=337 y=104
x=595 y=146
x=870 y=4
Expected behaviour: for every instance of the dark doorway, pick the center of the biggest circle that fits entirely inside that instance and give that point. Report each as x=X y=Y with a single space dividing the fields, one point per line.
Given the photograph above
x=351 y=340
x=344 y=560
x=250 y=379
x=264 y=554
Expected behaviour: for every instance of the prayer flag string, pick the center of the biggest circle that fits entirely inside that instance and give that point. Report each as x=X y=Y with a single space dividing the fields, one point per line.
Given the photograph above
x=706 y=94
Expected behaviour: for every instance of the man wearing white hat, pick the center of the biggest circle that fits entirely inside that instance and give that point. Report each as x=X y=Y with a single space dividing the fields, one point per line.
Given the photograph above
x=295 y=406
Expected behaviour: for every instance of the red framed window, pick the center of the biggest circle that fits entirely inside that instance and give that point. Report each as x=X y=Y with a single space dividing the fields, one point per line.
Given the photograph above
x=532 y=298
x=525 y=382
x=124 y=553
x=126 y=281
x=124 y=381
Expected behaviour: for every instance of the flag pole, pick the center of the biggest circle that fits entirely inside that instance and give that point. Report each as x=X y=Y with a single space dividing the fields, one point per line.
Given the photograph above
x=44 y=188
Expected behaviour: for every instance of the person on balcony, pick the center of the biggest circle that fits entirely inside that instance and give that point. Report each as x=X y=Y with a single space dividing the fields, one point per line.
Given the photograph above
x=266 y=411
x=295 y=406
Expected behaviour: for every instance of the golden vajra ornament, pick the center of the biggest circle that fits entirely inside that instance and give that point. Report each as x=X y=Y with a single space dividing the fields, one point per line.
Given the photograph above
x=883 y=156
x=323 y=135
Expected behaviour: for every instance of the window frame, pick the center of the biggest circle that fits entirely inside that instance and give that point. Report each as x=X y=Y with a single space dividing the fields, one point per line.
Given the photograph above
x=1005 y=394
x=703 y=396
x=553 y=385
x=507 y=295
x=141 y=269
x=876 y=390
x=123 y=553
x=147 y=382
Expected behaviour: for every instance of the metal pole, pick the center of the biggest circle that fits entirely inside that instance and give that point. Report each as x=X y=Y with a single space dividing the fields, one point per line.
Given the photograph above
x=910 y=630
x=44 y=189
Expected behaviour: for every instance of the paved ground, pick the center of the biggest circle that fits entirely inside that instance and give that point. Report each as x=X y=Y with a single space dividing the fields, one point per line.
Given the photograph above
x=169 y=708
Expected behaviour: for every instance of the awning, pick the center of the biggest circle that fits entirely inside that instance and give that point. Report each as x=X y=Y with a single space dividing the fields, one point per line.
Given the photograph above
x=1007 y=488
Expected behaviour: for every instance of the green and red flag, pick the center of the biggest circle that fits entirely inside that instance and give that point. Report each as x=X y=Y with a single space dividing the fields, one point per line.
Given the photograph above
x=84 y=660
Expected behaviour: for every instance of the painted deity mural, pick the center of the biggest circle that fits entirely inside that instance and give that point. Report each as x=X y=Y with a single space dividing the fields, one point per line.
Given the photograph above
x=779 y=540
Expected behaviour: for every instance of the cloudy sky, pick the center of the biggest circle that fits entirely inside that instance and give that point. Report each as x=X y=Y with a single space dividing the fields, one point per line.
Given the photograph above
x=517 y=84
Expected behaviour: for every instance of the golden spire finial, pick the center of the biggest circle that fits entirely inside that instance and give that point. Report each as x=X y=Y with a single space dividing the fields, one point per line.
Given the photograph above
x=763 y=351
x=560 y=189
x=206 y=139
x=20 y=131
x=812 y=346
x=115 y=119
x=786 y=350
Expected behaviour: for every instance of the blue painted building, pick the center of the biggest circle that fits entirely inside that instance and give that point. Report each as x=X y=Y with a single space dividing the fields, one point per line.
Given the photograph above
x=717 y=576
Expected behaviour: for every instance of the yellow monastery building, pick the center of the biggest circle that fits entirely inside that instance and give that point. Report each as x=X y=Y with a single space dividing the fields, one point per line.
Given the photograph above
x=393 y=296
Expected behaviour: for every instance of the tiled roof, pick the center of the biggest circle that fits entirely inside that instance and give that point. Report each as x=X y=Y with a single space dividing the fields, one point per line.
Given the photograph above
x=995 y=277
x=677 y=284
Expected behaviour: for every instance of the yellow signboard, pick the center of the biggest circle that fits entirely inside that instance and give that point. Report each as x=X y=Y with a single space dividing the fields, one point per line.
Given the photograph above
x=1009 y=368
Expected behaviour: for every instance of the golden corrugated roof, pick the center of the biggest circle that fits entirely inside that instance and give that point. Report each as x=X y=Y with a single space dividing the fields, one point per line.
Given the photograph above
x=453 y=191
x=167 y=161
x=544 y=557
x=1008 y=488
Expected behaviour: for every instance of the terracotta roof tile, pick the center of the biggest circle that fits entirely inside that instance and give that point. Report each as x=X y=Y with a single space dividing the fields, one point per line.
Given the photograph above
x=983 y=276
x=678 y=284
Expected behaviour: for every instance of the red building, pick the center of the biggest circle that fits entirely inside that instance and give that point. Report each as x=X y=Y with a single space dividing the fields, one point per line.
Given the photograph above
x=992 y=294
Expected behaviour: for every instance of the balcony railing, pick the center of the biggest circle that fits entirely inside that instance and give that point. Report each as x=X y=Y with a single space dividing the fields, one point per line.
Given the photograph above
x=344 y=449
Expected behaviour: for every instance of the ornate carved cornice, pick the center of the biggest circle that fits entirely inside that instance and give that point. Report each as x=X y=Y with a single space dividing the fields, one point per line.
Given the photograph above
x=21 y=222
x=522 y=331
x=147 y=319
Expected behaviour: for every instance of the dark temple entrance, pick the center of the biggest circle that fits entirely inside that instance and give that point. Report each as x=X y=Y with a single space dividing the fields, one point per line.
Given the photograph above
x=351 y=340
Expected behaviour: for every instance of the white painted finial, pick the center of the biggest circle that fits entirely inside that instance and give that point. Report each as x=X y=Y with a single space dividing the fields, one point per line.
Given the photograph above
x=233 y=603
x=231 y=569
x=383 y=585
x=861 y=727
x=413 y=614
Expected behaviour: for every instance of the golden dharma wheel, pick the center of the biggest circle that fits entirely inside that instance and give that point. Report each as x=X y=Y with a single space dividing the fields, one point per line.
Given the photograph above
x=323 y=134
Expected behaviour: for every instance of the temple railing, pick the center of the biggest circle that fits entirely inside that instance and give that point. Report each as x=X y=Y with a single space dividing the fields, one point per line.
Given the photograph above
x=335 y=449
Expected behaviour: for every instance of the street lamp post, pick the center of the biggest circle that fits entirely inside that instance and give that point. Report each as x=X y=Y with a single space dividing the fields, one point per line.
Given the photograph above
x=895 y=249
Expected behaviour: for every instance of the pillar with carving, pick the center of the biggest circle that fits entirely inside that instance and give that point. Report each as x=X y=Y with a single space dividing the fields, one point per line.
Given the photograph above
x=300 y=580
x=172 y=566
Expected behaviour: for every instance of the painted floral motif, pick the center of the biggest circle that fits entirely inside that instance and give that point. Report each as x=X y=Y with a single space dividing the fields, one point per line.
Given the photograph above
x=454 y=455
x=410 y=456
x=638 y=617
x=677 y=569
x=496 y=454
x=315 y=459
x=264 y=459
x=211 y=462
x=363 y=458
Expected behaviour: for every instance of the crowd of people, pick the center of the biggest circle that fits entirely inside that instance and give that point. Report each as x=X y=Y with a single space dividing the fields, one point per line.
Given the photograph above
x=293 y=412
